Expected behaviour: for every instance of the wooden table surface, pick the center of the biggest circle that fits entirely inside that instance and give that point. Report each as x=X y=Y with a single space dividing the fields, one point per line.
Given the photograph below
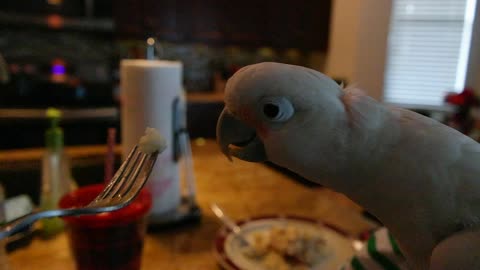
x=242 y=189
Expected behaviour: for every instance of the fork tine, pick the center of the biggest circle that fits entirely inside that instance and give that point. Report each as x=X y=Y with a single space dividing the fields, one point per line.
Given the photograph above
x=118 y=175
x=140 y=182
x=124 y=177
x=136 y=182
x=130 y=180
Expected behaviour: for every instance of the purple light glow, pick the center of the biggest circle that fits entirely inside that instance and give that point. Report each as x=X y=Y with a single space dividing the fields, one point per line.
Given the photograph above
x=58 y=69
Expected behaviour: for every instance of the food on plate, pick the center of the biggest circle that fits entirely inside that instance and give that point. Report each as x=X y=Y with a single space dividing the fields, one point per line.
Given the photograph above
x=286 y=247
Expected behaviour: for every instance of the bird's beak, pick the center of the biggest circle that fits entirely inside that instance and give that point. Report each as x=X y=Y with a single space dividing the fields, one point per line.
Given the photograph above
x=239 y=140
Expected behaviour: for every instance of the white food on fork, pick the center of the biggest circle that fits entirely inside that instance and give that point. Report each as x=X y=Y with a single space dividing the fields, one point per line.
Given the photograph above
x=152 y=141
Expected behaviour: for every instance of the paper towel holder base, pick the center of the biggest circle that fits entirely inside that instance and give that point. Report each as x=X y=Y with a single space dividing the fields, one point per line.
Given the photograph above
x=187 y=213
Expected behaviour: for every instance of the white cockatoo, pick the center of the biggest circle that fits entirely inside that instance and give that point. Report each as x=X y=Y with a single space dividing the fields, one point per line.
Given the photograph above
x=420 y=178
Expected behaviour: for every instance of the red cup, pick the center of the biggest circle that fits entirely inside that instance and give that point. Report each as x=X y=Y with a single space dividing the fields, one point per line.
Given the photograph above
x=112 y=240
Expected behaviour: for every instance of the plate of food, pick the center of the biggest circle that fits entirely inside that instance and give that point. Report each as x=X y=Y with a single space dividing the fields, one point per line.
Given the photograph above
x=283 y=243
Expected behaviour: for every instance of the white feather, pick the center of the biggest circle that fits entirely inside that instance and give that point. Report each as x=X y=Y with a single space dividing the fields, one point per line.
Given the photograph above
x=418 y=176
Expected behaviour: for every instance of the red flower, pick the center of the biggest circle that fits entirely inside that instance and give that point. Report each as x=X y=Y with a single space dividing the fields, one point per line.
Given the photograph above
x=465 y=98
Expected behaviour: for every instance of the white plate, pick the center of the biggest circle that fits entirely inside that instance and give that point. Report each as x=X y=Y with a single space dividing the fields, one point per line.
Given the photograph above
x=228 y=249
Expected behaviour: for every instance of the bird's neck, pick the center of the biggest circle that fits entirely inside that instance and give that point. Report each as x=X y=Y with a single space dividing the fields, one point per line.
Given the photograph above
x=365 y=148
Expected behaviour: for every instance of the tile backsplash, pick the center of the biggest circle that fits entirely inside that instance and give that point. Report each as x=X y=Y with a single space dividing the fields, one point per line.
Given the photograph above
x=89 y=57
x=95 y=56
x=202 y=62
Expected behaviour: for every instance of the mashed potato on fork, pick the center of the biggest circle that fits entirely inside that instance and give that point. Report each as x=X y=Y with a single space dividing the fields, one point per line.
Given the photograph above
x=152 y=141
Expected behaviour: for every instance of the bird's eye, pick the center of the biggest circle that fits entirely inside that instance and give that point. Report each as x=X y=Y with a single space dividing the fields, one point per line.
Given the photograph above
x=270 y=110
x=277 y=109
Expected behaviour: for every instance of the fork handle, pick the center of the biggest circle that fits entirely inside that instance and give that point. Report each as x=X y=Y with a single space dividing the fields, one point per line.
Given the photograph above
x=17 y=225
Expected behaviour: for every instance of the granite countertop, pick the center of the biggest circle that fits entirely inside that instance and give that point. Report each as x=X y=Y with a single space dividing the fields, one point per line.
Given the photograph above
x=243 y=189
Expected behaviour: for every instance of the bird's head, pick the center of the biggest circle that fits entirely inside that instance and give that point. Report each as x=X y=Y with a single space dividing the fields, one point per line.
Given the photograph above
x=281 y=113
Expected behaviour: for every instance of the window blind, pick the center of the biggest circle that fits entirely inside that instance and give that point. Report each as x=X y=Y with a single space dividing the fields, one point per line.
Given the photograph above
x=428 y=48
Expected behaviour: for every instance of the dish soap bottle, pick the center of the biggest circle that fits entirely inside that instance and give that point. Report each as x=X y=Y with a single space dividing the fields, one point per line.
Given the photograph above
x=56 y=176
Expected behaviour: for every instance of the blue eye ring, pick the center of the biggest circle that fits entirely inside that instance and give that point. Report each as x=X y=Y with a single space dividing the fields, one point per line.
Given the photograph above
x=276 y=109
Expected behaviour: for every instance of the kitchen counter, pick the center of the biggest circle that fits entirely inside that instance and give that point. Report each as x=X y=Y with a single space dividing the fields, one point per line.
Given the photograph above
x=242 y=189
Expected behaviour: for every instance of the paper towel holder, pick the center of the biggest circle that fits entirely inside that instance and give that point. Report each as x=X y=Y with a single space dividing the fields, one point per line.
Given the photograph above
x=153 y=48
x=181 y=144
x=178 y=126
x=188 y=210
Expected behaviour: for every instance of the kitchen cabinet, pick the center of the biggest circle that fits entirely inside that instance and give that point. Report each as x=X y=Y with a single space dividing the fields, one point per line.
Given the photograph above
x=245 y=22
x=163 y=19
x=304 y=24
x=174 y=21
x=281 y=24
x=128 y=17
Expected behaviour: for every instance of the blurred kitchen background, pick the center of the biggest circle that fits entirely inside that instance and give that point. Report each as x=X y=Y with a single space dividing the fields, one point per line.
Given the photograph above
x=422 y=55
x=66 y=53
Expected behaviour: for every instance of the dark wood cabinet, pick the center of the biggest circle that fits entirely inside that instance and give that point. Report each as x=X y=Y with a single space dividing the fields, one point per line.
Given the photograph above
x=245 y=22
x=163 y=19
x=128 y=16
x=205 y=23
x=304 y=24
x=300 y=24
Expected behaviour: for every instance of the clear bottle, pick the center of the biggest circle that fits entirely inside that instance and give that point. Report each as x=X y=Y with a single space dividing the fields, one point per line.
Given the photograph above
x=56 y=173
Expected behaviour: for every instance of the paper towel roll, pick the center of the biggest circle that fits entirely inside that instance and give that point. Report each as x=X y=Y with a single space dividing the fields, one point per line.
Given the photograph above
x=148 y=90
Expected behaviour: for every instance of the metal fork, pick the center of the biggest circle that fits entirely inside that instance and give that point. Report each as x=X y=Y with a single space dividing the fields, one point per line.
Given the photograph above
x=121 y=190
x=229 y=223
